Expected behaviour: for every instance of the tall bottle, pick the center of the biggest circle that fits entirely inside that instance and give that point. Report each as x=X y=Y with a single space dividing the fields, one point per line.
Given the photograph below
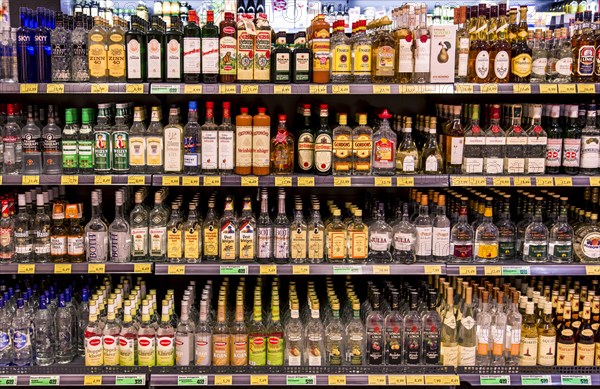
x=321 y=50
x=227 y=49
x=42 y=46
x=210 y=50
x=155 y=50
x=173 y=54
x=116 y=50
x=521 y=52
x=261 y=131
x=192 y=54
x=323 y=144
x=173 y=141
x=97 y=52
x=61 y=43
x=135 y=51
x=467 y=339
x=191 y=141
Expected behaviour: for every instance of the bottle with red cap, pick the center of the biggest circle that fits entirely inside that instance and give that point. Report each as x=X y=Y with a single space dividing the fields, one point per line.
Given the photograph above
x=226 y=141
x=384 y=147
x=323 y=144
x=11 y=140
x=209 y=141
x=210 y=50
x=282 y=149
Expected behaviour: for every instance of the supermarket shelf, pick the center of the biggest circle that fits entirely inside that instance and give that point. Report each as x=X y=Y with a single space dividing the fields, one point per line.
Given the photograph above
x=571 y=88
x=520 y=268
x=74 y=88
x=302 y=181
x=75 y=268
x=88 y=179
x=299 y=269
x=530 y=375
x=523 y=181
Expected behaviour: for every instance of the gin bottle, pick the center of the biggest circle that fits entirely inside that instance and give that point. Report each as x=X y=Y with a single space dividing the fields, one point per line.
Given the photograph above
x=535 y=246
x=560 y=239
x=120 y=234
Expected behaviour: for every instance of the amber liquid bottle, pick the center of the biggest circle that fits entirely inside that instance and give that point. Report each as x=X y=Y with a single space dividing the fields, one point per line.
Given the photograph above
x=500 y=50
x=321 y=35
x=227 y=49
x=261 y=142
x=243 y=143
x=479 y=53
x=585 y=52
x=521 y=52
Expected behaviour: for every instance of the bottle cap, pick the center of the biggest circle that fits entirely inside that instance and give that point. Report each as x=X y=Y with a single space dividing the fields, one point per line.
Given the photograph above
x=385 y=114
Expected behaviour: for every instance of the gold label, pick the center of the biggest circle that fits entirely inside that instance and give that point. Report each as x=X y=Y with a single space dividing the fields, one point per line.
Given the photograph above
x=585 y=354
x=116 y=60
x=359 y=245
x=220 y=350
x=137 y=151
x=299 y=246
x=521 y=65
x=362 y=60
x=336 y=245
x=384 y=61
x=191 y=243
x=174 y=244
x=341 y=60
x=97 y=60
x=227 y=243
x=211 y=241
x=239 y=350
x=565 y=354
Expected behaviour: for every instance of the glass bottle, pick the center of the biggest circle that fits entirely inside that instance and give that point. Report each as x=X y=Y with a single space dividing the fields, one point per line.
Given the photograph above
x=466 y=334
x=362 y=147
x=282 y=149
x=486 y=236
x=537 y=140
x=52 y=145
x=60 y=38
x=571 y=153
x=116 y=52
x=500 y=50
x=280 y=66
x=565 y=339
x=384 y=147
x=407 y=156
x=474 y=145
x=355 y=337
x=79 y=59
x=335 y=337
x=264 y=231
x=281 y=232
x=191 y=143
x=461 y=236
x=506 y=232
x=404 y=238
x=227 y=49
x=210 y=50
x=516 y=141
x=336 y=239
x=155 y=51
x=380 y=238
x=226 y=142
x=323 y=144
x=135 y=51
x=424 y=226
x=383 y=55
x=173 y=143
x=301 y=61
x=228 y=233
x=341 y=55
x=192 y=53
x=560 y=240
x=394 y=328
x=484 y=323
x=585 y=339
x=361 y=54
x=521 y=52
x=535 y=247
x=138 y=220
x=31 y=142
x=590 y=149
x=413 y=332
x=298 y=235
x=316 y=235
x=119 y=233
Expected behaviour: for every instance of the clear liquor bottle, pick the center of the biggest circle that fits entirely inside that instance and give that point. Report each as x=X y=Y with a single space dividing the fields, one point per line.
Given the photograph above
x=564 y=56
x=585 y=238
x=393 y=329
x=462 y=236
x=590 y=147
x=342 y=147
x=173 y=143
x=209 y=142
x=560 y=239
x=228 y=233
x=314 y=333
x=467 y=332
x=407 y=156
x=516 y=143
x=110 y=337
x=294 y=337
x=247 y=233
x=192 y=238
x=127 y=339
x=221 y=349
x=79 y=59
x=358 y=239
x=380 y=238
x=335 y=234
x=191 y=145
x=23 y=233
x=335 y=337
x=119 y=233
x=432 y=160
x=157 y=230
x=298 y=235
x=440 y=248
x=52 y=145
x=507 y=231
x=31 y=136
x=138 y=220
x=137 y=141
x=571 y=153
x=449 y=340
x=535 y=246
x=282 y=149
x=537 y=141
x=474 y=145
x=362 y=147
x=432 y=324
x=41 y=232
x=422 y=49
x=281 y=232
x=424 y=226
x=316 y=235
x=404 y=235
x=539 y=58
x=413 y=332
x=175 y=235
x=11 y=143
x=155 y=142
x=355 y=337
x=374 y=324
x=384 y=147
x=203 y=337
x=484 y=323
x=264 y=231
x=546 y=354
x=165 y=338
x=239 y=334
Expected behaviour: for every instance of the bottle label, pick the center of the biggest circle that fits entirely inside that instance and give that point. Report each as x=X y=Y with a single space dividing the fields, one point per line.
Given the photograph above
x=134 y=60
x=116 y=57
x=97 y=56
x=561 y=249
x=262 y=55
x=316 y=244
x=449 y=355
x=362 y=60
x=191 y=242
x=404 y=241
x=462 y=251
x=247 y=241
x=299 y=243
x=294 y=356
x=521 y=65
x=483 y=341
x=597 y=363
x=191 y=151
x=154 y=59
x=21 y=339
x=281 y=248
x=393 y=345
x=497 y=333
x=139 y=240
x=174 y=59
x=454 y=149
x=590 y=245
x=58 y=245
x=137 y=151
x=482 y=64
x=261 y=146
x=405 y=55
x=422 y=54
x=424 y=238
x=323 y=152
x=225 y=150
x=535 y=251
x=264 y=242
x=431 y=164
x=274 y=351
x=342 y=150
x=227 y=242
x=384 y=61
x=191 y=55
x=359 y=244
x=174 y=243
x=538 y=67
x=110 y=350
x=384 y=154
x=590 y=152
x=554 y=152
x=463 y=56
x=93 y=351
x=184 y=346
x=374 y=345
x=69 y=154
x=302 y=66
x=565 y=354
x=203 y=350
x=126 y=351
x=320 y=49
x=571 y=152
x=210 y=55
x=158 y=241
x=209 y=147
x=75 y=245
x=85 y=154
x=165 y=351
x=363 y=147
x=431 y=344
x=146 y=351
x=564 y=66
x=379 y=242
x=336 y=245
x=585 y=353
x=282 y=66
x=257 y=351
x=239 y=350
x=102 y=151
x=341 y=64
x=408 y=164
x=466 y=355
x=306 y=151
x=501 y=65
x=334 y=354
x=585 y=61
x=529 y=348
x=119 y=249
x=441 y=241
x=243 y=142
x=120 y=150
x=245 y=55
x=227 y=53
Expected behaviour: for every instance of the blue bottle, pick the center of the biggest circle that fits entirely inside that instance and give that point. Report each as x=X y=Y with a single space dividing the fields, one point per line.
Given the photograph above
x=25 y=49
x=43 y=48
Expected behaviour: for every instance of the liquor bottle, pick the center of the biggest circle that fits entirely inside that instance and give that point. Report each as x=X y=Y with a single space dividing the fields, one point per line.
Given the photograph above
x=572 y=143
x=75 y=234
x=243 y=142
x=407 y=156
x=225 y=142
x=516 y=141
x=585 y=339
x=483 y=334
x=135 y=51
x=554 y=149
x=69 y=142
x=590 y=149
x=584 y=50
x=466 y=334
x=566 y=339
x=454 y=139
x=165 y=339
x=25 y=49
x=257 y=347
x=441 y=232
x=191 y=143
x=192 y=54
x=323 y=144
x=424 y=226
x=239 y=334
x=155 y=50
x=245 y=49
x=479 y=52
x=432 y=324
x=120 y=142
x=173 y=142
x=413 y=328
x=261 y=131
x=42 y=47
x=380 y=238
x=61 y=44
x=262 y=49
x=264 y=231
x=342 y=147
x=210 y=235
x=281 y=232
x=341 y=63
x=12 y=145
x=495 y=142
x=362 y=147
x=461 y=236
x=154 y=142
x=336 y=239
x=306 y=142
x=320 y=38
x=506 y=232
x=52 y=145
x=316 y=235
x=192 y=243
x=280 y=66
x=41 y=232
x=361 y=54
x=227 y=49
x=374 y=324
x=116 y=49
x=486 y=236
x=146 y=338
x=85 y=143
x=210 y=50
x=539 y=58
x=384 y=147
x=474 y=145
x=537 y=140
x=175 y=235
x=335 y=337
x=119 y=233
x=298 y=235
x=560 y=239
x=521 y=52
x=500 y=50
x=173 y=56
x=228 y=233
x=157 y=229
x=31 y=142
x=301 y=63
x=282 y=149
x=97 y=52
x=137 y=141
x=138 y=221
x=294 y=337
x=383 y=54
x=449 y=340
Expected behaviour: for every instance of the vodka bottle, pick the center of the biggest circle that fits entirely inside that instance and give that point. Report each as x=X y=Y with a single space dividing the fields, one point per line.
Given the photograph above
x=96 y=234
x=44 y=334
x=21 y=336
x=119 y=232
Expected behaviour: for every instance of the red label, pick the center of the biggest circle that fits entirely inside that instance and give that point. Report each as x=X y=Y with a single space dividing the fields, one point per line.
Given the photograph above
x=165 y=342
x=109 y=341
x=144 y=342
x=95 y=342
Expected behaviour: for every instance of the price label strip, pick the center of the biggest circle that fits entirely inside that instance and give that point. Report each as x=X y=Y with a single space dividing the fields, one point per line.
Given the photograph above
x=301 y=380
x=130 y=380
x=44 y=380
x=192 y=380
x=494 y=380
x=233 y=270
x=8 y=380
x=347 y=269
x=223 y=380
x=536 y=380
x=92 y=380
x=516 y=270
x=585 y=380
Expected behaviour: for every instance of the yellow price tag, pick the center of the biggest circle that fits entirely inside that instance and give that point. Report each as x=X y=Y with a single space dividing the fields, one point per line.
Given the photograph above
x=586 y=88
x=501 y=181
x=522 y=88
x=405 y=181
x=383 y=181
x=170 y=180
x=28 y=88
x=92 y=380
x=592 y=270
x=69 y=180
x=594 y=181
x=415 y=380
x=249 y=89
x=340 y=89
x=176 y=269
x=192 y=89
x=396 y=380
x=136 y=180
x=26 y=268
x=467 y=270
x=212 y=181
x=337 y=380
x=493 y=270
x=522 y=181
x=261 y=380
x=342 y=181
x=249 y=181
x=223 y=380
x=378 y=380
x=382 y=89
x=488 y=88
x=544 y=181
x=306 y=181
x=99 y=88
x=381 y=269
x=268 y=269
x=432 y=269
x=96 y=268
x=548 y=88
x=300 y=269
x=563 y=181
x=283 y=181
x=134 y=88
x=450 y=380
x=567 y=88
x=317 y=89
x=102 y=180
x=30 y=180
x=190 y=181
x=0 y=180
x=55 y=88
x=282 y=89
x=142 y=268
x=62 y=268
x=467 y=181
x=464 y=88
x=226 y=89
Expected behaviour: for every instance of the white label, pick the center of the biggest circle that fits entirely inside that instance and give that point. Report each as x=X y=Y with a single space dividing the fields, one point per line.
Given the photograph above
x=563 y=66
x=119 y=247
x=302 y=62
x=174 y=59
x=264 y=242
x=482 y=64
x=404 y=241
x=282 y=62
x=494 y=165
x=422 y=55
x=466 y=355
x=456 y=153
x=203 y=350
x=261 y=146
x=424 y=237
x=173 y=160
x=184 y=346
x=139 y=241
x=590 y=149
x=501 y=64
x=474 y=140
x=281 y=245
x=554 y=152
x=154 y=59
x=379 y=241
x=225 y=150
x=571 y=152
x=539 y=66
x=468 y=322
x=96 y=246
x=463 y=56
x=137 y=151
x=450 y=320
x=75 y=245
x=243 y=142
x=537 y=141
x=590 y=245
x=535 y=165
x=323 y=152
x=158 y=241
x=210 y=55
x=209 y=149
x=408 y=164
x=473 y=165
x=546 y=350
x=405 y=57
x=58 y=245
x=516 y=140
x=134 y=60
x=191 y=55
x=441 y=241
x=294 y=360
x=431 y=164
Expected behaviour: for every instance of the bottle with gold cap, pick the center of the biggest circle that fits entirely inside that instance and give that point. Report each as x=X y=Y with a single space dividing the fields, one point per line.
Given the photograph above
x=486 y=236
